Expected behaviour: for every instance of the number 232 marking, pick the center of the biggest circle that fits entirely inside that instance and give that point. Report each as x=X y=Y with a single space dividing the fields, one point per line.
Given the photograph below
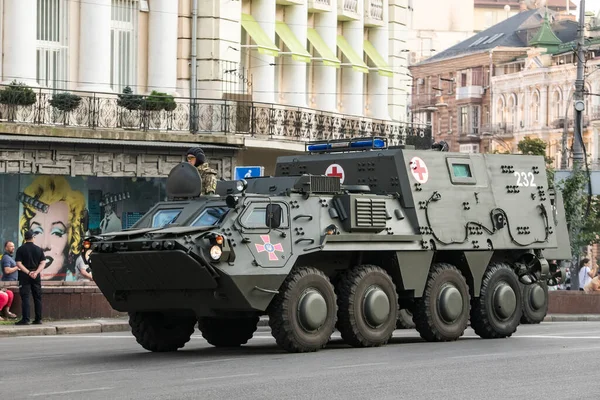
x=525 y=178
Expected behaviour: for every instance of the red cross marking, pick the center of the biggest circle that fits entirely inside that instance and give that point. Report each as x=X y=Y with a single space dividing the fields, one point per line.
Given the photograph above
x=419 y=170
x=334 y=172
x=337 y=171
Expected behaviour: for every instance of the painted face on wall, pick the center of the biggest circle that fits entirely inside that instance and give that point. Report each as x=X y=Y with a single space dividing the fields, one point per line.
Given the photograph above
x=50 y=233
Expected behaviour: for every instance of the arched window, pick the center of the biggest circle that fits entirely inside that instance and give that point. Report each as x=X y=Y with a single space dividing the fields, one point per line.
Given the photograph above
x=513 y=110
x=557 y=104
x=501 y=118
x=535 y=108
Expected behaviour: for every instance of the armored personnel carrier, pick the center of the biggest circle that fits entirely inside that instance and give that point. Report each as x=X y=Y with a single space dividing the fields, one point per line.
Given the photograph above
x=342 y=237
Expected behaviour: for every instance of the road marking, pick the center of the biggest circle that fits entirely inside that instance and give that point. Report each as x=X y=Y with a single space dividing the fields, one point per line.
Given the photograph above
x=480 y=355
x=36 y=357
x=214 y=361
x=357 y=365
x=555 y=337
x=101 y=372
x=220 y=377
x=70 y=391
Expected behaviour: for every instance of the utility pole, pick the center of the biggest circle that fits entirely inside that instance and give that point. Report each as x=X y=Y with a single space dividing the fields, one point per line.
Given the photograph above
x=579 y=90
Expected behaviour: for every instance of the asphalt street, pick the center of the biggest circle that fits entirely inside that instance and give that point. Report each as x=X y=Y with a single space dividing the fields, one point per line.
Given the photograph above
x=548 y=361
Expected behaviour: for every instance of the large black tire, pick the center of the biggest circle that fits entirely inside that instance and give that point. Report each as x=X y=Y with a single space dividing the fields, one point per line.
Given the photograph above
x=430 y=321
x=161 y=332
x=289 y=331
x=359 y=291
x=535 y=303
x=227 y=332
x=405 y=319
x=487 y=319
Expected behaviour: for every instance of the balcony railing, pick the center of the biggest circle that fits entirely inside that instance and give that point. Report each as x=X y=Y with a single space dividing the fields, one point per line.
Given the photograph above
x=319 y=5
x=373 y=12
x=348 y=10
x=469 y=92
x=208 y=116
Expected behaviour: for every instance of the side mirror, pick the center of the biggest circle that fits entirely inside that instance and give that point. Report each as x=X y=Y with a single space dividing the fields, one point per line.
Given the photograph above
x=273 y=216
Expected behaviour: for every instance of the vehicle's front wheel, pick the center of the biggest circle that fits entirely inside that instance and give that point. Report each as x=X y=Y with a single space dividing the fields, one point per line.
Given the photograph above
x=161 y=332
x=303 y=315
x=227 y=332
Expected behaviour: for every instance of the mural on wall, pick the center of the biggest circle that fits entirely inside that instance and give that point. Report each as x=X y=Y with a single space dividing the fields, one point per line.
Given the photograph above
x=52 y=206
x=52 y=209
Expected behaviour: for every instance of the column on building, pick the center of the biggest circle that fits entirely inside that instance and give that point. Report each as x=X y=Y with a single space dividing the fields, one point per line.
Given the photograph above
x=377 y=83
x=544 y=106
x=94 y=45
x=294 y=72
x=324 y=77
x=352 y=81
x=162 y=46
x=20 y=41
x=262 y=68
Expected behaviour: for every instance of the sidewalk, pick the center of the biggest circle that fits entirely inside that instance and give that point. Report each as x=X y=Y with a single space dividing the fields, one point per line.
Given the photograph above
x=103 y=325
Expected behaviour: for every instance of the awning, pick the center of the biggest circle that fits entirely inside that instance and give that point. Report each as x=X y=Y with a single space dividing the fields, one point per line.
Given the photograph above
x=327 y=55
x=263 y=43
x=298 y=51
x=355 y=60
x=382 y=67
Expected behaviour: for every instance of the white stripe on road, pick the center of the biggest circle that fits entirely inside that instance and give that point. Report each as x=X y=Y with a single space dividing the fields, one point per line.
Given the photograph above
x=220 y=377
x=70 y=391
x=480 y=355
x=214 y=361
x=101 y=372
x=357 y=365
x=554 y=337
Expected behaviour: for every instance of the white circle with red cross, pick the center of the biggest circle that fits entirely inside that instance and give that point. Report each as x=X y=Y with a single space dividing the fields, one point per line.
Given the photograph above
x=419 y=170
x=337 y=171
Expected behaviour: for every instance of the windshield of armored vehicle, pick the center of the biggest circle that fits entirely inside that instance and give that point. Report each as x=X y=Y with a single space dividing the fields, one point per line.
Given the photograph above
x=210 y=216
x=165 y=217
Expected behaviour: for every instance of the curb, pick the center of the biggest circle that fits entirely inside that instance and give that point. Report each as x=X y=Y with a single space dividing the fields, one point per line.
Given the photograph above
x=64 y=328
x=68 y=328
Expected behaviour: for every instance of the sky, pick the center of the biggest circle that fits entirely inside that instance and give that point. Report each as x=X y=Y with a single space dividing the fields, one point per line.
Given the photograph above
x=590 y=5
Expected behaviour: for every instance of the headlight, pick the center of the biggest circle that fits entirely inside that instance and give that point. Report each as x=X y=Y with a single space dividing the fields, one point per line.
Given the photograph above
x=215 y=252
x=241 y=185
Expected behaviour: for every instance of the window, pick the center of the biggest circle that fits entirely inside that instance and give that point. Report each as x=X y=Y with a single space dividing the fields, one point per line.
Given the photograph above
x=500 y=117
x=535 y=108
x=210 y=216
x=255 y=217
x=123 y=44
x=164 y=217
x=461 y=170
x=513 y=110
x=51 y=46
x=469 y=120
x=463 y=120
x=463 y=79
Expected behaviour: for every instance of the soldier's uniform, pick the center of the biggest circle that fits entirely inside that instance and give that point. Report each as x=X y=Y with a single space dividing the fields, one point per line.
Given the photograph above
x=209 y=176
x=209 y=179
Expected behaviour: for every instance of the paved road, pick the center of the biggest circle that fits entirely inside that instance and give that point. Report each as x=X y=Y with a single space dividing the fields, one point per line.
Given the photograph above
x=534 y=364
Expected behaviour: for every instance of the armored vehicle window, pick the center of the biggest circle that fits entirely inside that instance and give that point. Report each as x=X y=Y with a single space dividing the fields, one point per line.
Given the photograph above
x=461 y=170
x=165 y=217
x=210 y=216
x=255 y=218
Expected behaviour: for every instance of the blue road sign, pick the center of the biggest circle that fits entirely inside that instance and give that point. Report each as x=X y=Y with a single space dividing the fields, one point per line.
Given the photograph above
x=249 y=172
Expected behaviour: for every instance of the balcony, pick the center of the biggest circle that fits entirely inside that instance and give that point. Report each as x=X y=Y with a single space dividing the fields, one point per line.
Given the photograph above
x=469 y=92
x=373 y=12
x=348 y=10
x=319 y=6
x=290 y=2
x=104 y=112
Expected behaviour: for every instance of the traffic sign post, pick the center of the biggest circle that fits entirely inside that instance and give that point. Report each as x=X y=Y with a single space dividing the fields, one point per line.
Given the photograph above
x=248 y=172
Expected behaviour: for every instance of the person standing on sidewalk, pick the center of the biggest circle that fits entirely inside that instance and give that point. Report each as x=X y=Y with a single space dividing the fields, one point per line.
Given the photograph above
x=30 y=260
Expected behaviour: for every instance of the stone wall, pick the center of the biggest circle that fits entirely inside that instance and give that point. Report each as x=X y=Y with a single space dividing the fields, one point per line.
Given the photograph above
x=573 y=302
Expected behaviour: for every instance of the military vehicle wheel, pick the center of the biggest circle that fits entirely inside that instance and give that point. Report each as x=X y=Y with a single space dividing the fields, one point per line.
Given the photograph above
x=160 y=332
x=405 y=320
x=227 y=332
x=535 y=303
x=367 y=306
x=303 y=315
x=442 y=314
x=497 y=311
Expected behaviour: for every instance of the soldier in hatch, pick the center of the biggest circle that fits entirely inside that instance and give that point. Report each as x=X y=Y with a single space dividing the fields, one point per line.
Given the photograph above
x=196 y=157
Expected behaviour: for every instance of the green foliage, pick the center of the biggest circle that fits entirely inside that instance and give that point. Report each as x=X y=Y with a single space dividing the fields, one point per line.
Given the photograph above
x=129 y=100
x=18 y=94
x=159 y=101
x=583 y=230
x=65 y=101
x=537 y=147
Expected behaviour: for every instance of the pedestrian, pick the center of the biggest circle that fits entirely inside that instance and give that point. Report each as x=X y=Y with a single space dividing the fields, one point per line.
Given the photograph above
x=9 y=266
x=31 y=261
x=6 y=300
x=586 y=274
x=196 y=157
